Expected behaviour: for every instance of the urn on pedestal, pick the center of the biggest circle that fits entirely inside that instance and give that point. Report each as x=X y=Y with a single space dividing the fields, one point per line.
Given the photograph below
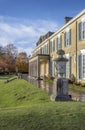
x=61 y=81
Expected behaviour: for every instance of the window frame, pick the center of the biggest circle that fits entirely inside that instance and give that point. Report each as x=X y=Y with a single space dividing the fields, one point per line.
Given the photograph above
x=83 y=30
x=59 y=42
x=67 y=37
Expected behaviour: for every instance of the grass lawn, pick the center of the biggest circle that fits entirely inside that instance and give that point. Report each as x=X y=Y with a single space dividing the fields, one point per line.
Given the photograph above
x=26 y=107
x=77 y=87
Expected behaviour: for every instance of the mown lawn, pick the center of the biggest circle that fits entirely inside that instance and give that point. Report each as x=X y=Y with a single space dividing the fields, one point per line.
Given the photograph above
x=26 y=107
x=77 y=87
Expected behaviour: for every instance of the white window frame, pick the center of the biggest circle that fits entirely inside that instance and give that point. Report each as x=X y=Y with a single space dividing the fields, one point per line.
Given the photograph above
x=83 y=54
x=67 y=66
x=83 y=28
x=52 y=45
x=59 y=42
x=83 y=77
x=67 y=36
x=46 y=48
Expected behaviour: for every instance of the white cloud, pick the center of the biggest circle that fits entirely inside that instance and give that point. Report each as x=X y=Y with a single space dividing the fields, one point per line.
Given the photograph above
x=23 y=33
x=27 y=50
x=5 y=40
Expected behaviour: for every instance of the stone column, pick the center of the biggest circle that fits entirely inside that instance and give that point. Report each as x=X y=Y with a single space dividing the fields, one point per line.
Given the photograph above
x=38 y=68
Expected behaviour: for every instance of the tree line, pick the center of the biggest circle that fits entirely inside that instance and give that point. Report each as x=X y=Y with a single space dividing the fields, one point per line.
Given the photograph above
x=12 y=61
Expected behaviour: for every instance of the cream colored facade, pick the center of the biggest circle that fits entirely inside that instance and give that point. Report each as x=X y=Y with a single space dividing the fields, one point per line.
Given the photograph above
x=39 y=66
x=70 y=38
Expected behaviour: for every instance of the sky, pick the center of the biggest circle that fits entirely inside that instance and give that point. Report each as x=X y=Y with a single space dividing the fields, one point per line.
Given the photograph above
x=22 y=22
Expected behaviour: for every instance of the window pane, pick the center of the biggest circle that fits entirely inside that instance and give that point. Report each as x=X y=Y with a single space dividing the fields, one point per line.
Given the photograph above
x=59 y=43
x=68 y=38
x=83 y=66
x=83 y=30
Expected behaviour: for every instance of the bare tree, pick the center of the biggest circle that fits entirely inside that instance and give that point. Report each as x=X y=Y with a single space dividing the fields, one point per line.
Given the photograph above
x=11 y=50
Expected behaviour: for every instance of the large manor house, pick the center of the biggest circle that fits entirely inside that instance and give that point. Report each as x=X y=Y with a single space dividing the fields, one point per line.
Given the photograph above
x=70 y=38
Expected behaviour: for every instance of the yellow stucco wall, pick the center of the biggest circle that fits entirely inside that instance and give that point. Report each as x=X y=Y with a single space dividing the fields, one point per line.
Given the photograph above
x=72 y=49
x=44 y=69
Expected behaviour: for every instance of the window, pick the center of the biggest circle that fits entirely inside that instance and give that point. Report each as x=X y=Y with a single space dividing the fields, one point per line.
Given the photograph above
x=42 y=50
x=67 y=37
x=68 y=66
x=81 y=64
x=82 y=30
x=46 y=46
x=52 y=46
x=59 y=42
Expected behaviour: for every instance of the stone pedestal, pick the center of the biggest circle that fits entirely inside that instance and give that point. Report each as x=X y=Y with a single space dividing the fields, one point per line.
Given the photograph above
x=61 y=83
x=61 y=90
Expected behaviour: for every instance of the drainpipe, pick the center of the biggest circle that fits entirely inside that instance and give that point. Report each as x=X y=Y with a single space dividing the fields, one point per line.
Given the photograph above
x=37 y=69
x=49 y=56
x=76 y=53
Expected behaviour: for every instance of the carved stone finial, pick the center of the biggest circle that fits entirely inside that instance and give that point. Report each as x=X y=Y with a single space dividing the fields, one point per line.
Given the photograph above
x=60 y=52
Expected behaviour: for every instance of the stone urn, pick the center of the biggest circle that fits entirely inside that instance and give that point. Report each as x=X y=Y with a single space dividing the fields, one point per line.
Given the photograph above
x=61 y=83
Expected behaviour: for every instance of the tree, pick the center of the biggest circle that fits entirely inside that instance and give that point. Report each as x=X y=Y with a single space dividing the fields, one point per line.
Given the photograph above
x=1 y=59
x=22 y=62
x=11 y=50
x=10 y=55
x=7 y=58
x=1 y=51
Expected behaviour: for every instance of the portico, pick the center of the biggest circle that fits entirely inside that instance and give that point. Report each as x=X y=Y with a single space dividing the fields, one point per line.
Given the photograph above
x=39 y=66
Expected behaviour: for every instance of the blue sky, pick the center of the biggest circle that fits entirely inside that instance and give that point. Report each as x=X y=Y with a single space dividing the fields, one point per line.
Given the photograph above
x=23 y=21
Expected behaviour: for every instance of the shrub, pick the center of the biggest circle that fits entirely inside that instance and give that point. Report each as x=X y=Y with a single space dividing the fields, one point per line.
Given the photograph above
x=73 y=79
x=82 y=84
x=77 y=83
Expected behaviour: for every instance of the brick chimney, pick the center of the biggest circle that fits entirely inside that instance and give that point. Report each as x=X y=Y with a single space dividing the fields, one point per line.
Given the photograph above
x=67 y=19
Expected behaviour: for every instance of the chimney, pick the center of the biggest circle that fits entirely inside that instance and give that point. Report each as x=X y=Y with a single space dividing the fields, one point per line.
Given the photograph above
x=67 y=19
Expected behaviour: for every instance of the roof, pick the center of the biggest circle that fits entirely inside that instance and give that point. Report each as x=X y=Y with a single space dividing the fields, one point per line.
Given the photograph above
x=64 y=26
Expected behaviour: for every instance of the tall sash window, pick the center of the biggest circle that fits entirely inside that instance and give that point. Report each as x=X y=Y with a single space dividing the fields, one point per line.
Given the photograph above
x=81 y=65
x=59 y=42
x=67 y=37
x=81 y=30
x=68 y=66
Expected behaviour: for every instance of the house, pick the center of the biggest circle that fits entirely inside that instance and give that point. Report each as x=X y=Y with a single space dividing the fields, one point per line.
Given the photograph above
x=71 y=38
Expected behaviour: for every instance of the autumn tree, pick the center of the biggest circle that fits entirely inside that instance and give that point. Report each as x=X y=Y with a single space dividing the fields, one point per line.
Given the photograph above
x=10 y=55
x=2 y=64
x=7 y=58
x=22 y=62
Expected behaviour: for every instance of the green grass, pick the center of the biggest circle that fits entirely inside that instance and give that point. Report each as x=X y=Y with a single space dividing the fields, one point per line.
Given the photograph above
x=26 y=107
x=4 y=78
x=20 y=93
x=48 y=80
x=77 y=87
